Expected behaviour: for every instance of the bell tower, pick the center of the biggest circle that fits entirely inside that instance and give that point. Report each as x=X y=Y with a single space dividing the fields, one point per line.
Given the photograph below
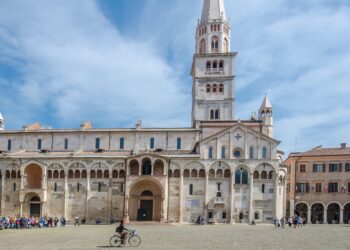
x=213 y=66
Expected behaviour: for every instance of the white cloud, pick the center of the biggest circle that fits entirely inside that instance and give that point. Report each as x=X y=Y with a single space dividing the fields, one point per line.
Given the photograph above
x=77 y=66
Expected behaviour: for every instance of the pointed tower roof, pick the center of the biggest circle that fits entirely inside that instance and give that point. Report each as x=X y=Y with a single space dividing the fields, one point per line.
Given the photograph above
x=213 y=9
x=266 y=104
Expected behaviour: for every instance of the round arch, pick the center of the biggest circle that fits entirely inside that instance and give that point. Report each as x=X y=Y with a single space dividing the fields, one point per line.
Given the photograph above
x=317 y=212
x=301 y=209
x=142 y=207
x=34 y=173
x=346 y=215
x=333 y=213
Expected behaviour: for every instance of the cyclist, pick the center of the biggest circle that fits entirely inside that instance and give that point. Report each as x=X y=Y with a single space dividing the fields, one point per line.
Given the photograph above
x=123 y=232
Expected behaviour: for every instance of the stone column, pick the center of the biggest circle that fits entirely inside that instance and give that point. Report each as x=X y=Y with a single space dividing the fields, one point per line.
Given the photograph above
x=180 y=195
x=309 y=215
x=88 y=194
x=109 y=214
x=275 y=195
x=162 y=220
x=126 y=216
x=251 y=193
x=206 y=197
x=22 y=181
x=66 y=196
x=325 y=216
x=21 y=209
x=2 y=195
x=232 y=199
x=341 y=217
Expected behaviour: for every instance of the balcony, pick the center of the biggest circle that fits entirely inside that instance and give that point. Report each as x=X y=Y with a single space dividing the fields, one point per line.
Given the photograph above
x=219 y=201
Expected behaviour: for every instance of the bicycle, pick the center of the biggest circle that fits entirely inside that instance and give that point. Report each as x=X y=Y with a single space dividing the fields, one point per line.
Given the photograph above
x=134 y=240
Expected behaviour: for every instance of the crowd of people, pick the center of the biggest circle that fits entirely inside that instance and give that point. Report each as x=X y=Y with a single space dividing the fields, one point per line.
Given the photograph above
x=31 y=222
x=296 y=221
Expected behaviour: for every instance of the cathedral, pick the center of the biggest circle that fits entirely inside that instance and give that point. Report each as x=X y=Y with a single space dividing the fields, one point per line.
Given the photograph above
x=222 y=168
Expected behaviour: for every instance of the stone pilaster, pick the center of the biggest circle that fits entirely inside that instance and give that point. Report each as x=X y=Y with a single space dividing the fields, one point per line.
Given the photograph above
x=341 y=217
x=180 y=195
x=251 y=199
x=66 y=196
x=232 y=199
x=206 y=198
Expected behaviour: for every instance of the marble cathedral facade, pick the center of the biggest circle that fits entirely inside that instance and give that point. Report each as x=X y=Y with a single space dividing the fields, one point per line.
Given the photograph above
x=220 y=168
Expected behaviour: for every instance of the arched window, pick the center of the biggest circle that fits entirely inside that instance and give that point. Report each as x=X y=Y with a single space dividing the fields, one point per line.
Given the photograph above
x=221 y=64
x=178 y=143
x=263 y=175
x=56 y=174
x=62 y=174
x=208 y=88
x=121 y=174
x=186 y=173
x=99 y=174
x=170 y=173
x=194 y=173
x=212 y=114
x=7 y=174
x=210 y=153
x=49 y=174
x=114 y=174
x=201 y=173
x=106 y=174
x=244 y=177
x=238 y=176
x=221 y=88
x=77 y=174
x=191 y=189
x=208 y=65
x=70 y=174
x=212 y=173
x=251 y=152
x=176 y=173
x=151 y=143
x=270 y=175
x=97 y=143
x=83 y=174
x=217 y=116
x=256 y=175
x=121 y=143
x=92 y=174
x=13 y=174
x=223 y=152
x=227 y=173
x=225 y=45
x=215 y=65
x=215 y=44
x=19 y=174
x=215 y=88
x=219 y=173
x=202 y=47
x=146 y=167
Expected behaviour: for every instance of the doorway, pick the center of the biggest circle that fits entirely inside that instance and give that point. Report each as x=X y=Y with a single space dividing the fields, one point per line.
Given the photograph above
x=35 y=207
x=145 y=212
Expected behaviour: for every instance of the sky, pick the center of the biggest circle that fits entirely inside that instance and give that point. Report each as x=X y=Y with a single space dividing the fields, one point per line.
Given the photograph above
x=114 y=62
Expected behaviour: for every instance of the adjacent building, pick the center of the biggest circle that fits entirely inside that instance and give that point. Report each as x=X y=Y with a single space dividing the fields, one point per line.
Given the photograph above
x=319 y=184
x=220 y=168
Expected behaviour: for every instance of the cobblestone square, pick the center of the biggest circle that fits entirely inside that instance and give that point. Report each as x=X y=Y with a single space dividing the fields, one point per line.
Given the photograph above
x=182 y=237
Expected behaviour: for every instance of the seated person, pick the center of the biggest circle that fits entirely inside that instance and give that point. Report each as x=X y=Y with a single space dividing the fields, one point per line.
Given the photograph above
x=123 y=232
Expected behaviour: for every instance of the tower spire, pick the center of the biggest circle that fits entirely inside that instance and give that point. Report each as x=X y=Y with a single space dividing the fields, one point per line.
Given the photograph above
x=213 y=10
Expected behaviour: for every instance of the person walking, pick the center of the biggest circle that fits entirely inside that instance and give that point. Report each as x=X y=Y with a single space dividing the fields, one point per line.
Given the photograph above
x=76 y=219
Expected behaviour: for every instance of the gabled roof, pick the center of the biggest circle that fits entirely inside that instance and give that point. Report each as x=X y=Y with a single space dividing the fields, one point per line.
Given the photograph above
x=213 y=10
x=243 y=127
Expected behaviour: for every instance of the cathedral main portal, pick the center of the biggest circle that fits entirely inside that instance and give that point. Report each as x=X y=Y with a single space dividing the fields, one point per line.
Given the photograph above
x=145 y=201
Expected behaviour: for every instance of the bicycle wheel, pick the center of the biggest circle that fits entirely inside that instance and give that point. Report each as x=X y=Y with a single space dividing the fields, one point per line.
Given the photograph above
x=135 y=241
x=115 y=241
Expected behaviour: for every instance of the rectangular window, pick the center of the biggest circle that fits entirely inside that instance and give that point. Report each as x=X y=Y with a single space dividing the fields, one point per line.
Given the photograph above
x=178 y=144
x=219 y=186
x=210 y=153
x=334 y=167
x=223 y=153
x=251 y=152
x=9 y=145
x=347 y=167
x=302 y=187
x=78 y=187
x=39 y=144
x=302 y=168
x=55 y=187
x=348 y=187
x=121 y=187
x=191 y=189
x=151 y=143
x=317 y=168
x=121 y=143
x=318 y=188
x=97 y=143
x=333 y=187
x=99 y=187
x=65 y=144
